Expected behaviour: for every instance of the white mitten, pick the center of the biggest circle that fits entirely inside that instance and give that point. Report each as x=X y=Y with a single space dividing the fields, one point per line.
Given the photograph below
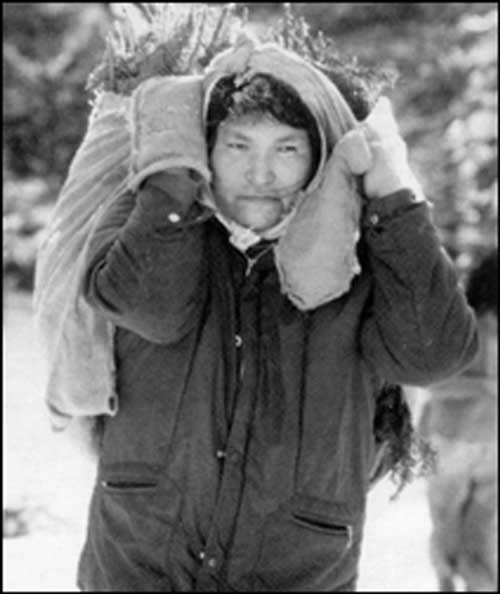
x=376 y=151
x=167 y=129
x=390 y=170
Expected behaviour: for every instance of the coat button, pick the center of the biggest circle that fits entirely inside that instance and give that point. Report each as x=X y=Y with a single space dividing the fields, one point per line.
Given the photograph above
x=212 y=562
x=238 y=341
x=201 y=555
x=173 y=217
x=220 y=454
x=374 y=219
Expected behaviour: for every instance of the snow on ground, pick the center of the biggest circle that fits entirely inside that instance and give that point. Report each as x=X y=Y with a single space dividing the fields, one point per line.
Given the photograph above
x=47 y=477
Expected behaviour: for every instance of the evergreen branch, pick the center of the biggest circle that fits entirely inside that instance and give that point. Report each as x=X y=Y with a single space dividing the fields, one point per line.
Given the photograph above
x=147 y=11
x=175 y=40
x=218 y=26
x=197 y=43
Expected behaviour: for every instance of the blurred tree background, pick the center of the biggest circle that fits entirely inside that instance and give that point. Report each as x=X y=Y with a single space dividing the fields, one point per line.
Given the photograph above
x=445 y=99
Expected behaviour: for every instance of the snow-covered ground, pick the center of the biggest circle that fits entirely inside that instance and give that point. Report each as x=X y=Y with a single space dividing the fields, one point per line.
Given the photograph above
x=47 y=477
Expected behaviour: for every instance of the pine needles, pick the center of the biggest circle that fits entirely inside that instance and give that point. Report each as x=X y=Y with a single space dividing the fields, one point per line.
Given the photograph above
x=359 y=84
x=408 y=455
x=152 y=38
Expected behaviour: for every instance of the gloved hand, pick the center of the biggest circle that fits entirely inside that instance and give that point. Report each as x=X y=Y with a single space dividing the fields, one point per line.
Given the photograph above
x=167 y=129
x=176 y=189
x=376 y=151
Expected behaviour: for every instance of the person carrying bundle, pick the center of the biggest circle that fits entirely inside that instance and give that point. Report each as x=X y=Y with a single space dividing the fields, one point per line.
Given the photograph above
x=263 y=266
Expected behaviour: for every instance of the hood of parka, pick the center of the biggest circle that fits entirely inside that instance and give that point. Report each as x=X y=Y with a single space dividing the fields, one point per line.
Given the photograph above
x=331 y=112
x=315 y=243
x=248 y=57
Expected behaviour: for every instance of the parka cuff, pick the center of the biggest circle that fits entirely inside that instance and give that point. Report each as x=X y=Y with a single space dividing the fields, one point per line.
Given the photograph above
x=165 y=210
x=379 y=210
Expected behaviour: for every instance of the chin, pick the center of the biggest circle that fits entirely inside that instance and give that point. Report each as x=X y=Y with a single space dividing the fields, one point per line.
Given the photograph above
x=258 y=225
x=259 y=221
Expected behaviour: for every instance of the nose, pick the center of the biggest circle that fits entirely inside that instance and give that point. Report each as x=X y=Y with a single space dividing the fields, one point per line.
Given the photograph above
x=260 y=172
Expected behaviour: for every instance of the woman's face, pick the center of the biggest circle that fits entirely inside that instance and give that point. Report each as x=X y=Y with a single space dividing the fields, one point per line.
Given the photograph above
x=259 y=165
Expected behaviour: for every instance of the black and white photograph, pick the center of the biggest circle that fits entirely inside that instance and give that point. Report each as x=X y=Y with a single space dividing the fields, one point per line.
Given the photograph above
x=250 y=291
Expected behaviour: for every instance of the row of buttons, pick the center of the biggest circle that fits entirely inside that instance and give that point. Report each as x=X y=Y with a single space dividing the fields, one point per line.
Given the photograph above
x=221 y=455
x=211 y=561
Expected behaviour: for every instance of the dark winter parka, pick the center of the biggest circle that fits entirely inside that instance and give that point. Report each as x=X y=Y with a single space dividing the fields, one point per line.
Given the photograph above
x=241 y=454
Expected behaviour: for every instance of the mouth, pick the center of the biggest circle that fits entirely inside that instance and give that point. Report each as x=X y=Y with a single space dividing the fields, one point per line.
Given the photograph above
x=265 y=198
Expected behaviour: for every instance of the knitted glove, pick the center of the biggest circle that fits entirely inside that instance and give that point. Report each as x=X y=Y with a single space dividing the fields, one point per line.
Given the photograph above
x=167 y=130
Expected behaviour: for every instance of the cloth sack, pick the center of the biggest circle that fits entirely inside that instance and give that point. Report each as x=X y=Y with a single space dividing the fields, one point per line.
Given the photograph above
x=127 y=139
x=75 y=341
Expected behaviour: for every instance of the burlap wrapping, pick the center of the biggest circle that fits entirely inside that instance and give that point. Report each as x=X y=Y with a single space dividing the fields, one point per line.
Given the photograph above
x=76 y=342
x=128 y=138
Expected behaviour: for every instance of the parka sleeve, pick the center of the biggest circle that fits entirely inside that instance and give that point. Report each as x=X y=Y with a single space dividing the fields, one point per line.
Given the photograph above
x=419 y=328
x=145 y=269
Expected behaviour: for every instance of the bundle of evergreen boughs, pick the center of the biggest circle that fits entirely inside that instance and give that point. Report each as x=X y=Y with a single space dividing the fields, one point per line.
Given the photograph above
x=150 y=39
x=360 y=85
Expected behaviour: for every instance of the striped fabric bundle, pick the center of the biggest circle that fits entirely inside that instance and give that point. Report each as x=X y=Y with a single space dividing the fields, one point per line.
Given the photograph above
x=76 y=342
x=128 y=138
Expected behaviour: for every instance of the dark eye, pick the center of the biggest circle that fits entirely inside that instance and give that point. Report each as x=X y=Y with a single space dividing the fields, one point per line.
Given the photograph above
x=238 y=146
x=288 y=148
